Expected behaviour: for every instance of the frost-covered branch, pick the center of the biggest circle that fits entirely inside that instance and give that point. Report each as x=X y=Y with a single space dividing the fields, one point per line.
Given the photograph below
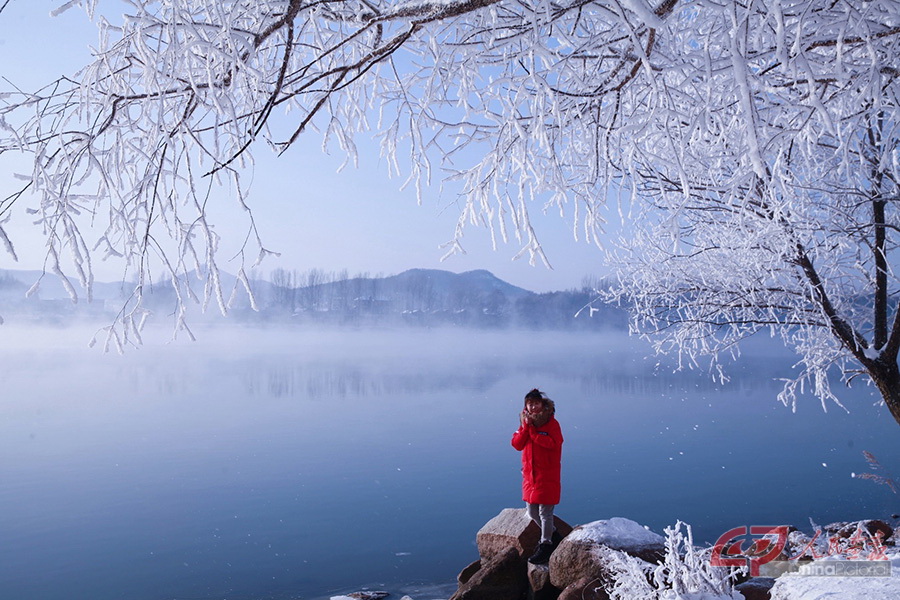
x=751 y=147
x=768 y=210
x=181 y=94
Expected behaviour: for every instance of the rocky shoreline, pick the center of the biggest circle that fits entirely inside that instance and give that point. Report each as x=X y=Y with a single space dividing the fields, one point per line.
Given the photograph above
x=620 y=559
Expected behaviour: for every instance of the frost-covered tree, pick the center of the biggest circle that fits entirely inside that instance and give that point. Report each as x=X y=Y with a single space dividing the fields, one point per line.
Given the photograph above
x=751 y=144
x=764 y=176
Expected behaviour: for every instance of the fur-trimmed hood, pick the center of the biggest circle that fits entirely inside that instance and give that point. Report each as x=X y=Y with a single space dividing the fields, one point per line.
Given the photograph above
x=545 y=415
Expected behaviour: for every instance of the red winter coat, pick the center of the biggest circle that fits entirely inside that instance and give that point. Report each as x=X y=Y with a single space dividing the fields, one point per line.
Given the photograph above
x=541 y=449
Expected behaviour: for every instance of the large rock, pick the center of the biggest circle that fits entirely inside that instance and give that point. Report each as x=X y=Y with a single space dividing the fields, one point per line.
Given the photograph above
x=502 y=572
x=587 y=588
x=502 y=577
x=466 y=574
x=847 y=529
x=756 y=588
x=513 y=528
x=539 y=586
x=581 y=557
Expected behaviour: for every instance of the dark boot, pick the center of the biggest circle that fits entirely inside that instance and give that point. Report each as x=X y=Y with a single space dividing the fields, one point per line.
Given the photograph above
x=556 y=539
x=542 y=554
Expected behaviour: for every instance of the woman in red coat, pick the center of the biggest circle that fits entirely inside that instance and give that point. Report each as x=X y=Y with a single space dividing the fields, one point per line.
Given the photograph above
x=540 y=440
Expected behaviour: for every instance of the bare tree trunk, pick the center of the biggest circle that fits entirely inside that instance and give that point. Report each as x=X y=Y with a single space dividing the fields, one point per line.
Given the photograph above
x=886 y=376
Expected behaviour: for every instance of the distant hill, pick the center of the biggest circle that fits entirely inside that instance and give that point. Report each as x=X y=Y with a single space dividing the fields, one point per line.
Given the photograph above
x=421 y=297
x=436 y=297
x=448 y=283
x=18 y=282
x=51 y=287
x=14 y=284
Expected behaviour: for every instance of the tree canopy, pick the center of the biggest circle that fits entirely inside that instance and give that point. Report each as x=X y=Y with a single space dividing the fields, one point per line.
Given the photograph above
x=750 y=145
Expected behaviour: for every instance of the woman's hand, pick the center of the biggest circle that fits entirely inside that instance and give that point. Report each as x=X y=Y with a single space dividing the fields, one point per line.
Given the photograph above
x=524 y=418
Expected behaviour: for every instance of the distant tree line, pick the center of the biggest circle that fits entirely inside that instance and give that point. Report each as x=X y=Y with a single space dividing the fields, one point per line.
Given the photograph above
x=418 y=297
x=318 y=290
x=421 y=298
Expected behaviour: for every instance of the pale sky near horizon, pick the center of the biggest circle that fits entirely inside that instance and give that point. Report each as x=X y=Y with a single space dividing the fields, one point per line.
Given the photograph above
x=357 y=220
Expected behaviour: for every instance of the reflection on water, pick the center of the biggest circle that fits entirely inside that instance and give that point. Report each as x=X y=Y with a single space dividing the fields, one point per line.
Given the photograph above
x=588 y=361
x=298 y=464
x=353 y=380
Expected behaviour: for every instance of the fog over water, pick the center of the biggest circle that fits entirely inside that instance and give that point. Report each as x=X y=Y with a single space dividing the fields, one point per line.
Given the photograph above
x=298 y=463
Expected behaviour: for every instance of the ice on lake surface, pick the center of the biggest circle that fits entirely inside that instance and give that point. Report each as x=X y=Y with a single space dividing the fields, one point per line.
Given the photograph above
x=296 y=463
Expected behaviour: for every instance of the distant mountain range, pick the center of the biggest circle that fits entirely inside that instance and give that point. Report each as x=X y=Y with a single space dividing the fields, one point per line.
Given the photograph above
x=415 y=297
x=50 y=287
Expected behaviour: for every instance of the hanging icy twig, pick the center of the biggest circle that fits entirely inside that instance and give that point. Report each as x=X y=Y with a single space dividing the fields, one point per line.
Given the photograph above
x=875 y=466
x=751 y=145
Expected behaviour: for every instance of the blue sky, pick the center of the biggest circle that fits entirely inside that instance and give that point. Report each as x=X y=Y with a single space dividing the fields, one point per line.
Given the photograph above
x=314 y=217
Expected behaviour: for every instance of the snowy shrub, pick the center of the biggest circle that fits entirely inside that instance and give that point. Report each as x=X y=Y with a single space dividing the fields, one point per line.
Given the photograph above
x=685 y=572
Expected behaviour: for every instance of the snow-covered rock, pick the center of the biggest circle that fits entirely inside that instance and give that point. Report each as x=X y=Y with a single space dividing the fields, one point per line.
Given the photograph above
x=757 y=588
x=619 y=558
x=583 y=554
x=808 y=587
x=617 y=533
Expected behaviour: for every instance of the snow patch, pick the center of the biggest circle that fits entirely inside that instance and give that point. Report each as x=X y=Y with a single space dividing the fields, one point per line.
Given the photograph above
x=801 y=587
x=872 y=353
x=616 y=533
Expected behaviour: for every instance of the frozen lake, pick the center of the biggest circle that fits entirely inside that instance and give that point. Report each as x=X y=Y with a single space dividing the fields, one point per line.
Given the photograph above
x=297 y=464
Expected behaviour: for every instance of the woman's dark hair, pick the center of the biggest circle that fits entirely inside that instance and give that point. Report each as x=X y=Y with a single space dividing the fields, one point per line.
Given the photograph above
x=537 y=394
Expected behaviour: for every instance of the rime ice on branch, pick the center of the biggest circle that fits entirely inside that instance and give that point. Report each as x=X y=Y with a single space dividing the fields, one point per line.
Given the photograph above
x=751 y=146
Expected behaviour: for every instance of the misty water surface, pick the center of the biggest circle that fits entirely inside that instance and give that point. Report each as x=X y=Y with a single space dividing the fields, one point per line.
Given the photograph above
x=296 y=464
